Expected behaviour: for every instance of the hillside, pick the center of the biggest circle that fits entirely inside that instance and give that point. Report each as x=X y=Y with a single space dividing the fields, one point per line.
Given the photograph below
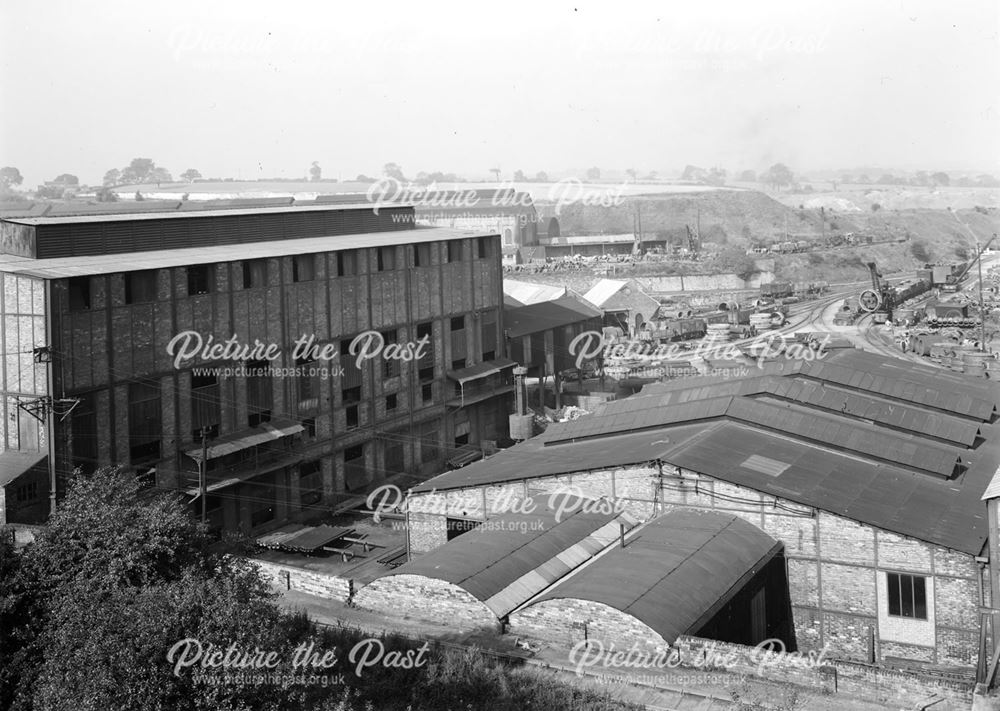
x=725 y=216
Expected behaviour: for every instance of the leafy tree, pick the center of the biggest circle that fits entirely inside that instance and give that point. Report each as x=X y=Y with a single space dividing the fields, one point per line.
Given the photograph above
x=160 y=175
x=748 y=176
x=541 y=177
x=138 y=196
x=112 y=177
x=10 y=176
x=67 y=179
x=315 y=172
x=106 y=195
x=940 y=178
x=190 y=175
x=594 y=173
x=778 y=176
x=140 y=169
x=393 y=170
x=520 y=177
x=631 y=173
x=364 y=179
x=987 y=181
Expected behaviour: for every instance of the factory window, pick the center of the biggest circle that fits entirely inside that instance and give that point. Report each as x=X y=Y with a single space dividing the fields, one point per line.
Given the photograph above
x=427 y=392
x=347 y=263
x=426 y=374
x=458 y=323
x=391 y=402
x=425 y=334
x=303 y=267
x=27 y=492
x=310 y=482
x=79 y=293
x=907 y=596
x=144 y=422
x=429 y=445
x=458 y=364
x=85 y=435
x=455 y=251
x=308 y=376
x=259 y=392
x=263 y=500
x=199 y=279
x=254 y=273
x=390 y=366
x=352 y=398
x=422 y=255
x=310 y=424
x=206 y=405
x=386 y=259
x=355 y=476
x=485 y=246
x=140 y=287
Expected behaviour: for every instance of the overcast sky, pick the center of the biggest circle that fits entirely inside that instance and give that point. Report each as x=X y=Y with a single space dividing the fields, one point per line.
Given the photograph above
x=260 y=89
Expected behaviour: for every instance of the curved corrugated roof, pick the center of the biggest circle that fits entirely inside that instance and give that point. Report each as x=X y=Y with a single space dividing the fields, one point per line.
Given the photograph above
x=681 y=568
x=514 y=556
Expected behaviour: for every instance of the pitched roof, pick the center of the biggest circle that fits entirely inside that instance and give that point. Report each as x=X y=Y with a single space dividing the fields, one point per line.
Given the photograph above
x=527 y=292
x=604 y=290
x=545 y=315
x=906 y=448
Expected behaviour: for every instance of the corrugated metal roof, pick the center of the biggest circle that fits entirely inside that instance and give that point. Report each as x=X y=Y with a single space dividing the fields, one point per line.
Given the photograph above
x=545 y=315
x=680 y=567
x=481 y=370
x=530 y=293
x=900 y=449
x=932 y=509
x=162 y=259
x=904 y=380
x=518 y=554
x=604 y=290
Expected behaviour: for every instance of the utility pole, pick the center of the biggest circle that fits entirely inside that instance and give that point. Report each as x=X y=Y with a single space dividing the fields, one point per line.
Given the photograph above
x=203 y=472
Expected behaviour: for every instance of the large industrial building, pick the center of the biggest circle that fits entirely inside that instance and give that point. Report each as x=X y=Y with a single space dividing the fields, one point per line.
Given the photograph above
x=97 y=309
x=873 y=476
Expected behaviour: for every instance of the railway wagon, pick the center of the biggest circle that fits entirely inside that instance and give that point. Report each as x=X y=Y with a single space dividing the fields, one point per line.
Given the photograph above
x=777 y=289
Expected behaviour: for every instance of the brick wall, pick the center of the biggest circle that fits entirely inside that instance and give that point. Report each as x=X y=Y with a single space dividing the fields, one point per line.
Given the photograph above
x=285 y=577
x=428 y=599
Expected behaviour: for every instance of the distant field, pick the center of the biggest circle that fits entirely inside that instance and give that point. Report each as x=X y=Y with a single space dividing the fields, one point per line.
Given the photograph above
x=540 y=192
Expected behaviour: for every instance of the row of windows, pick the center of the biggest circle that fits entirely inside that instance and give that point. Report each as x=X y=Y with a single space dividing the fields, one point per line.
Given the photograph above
x=140 y=286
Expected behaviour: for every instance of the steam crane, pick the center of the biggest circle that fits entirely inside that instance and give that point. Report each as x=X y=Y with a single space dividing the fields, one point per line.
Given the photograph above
x=878 y=299
x=954 y=282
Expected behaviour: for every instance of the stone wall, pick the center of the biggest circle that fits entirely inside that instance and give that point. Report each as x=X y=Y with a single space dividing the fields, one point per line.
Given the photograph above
x=570 y=621
x=817 y=672
x=285 y=577
x=837 y=568
x=427 y=599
